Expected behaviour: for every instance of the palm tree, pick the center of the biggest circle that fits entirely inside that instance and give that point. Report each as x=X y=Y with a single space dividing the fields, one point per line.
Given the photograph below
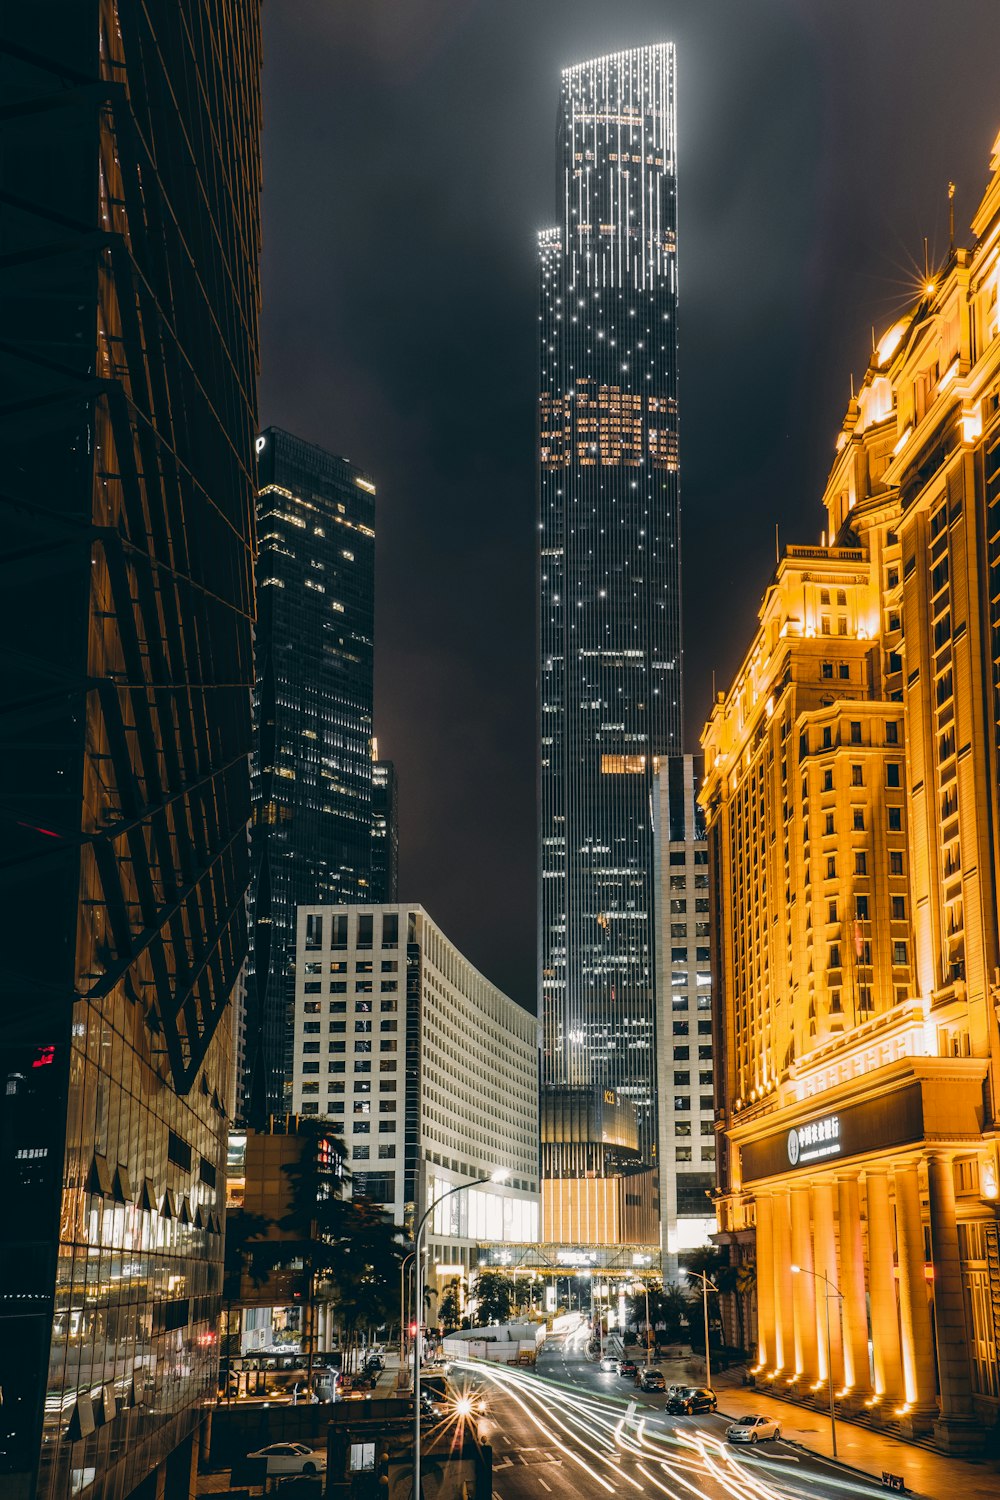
x=242 y=1231
x=745 y=1284
x=318 y=1221
x=367 y=1275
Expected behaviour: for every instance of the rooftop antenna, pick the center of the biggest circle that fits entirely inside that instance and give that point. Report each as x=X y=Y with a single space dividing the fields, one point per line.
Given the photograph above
x=927 y=268
x=777 y=549
x=874 y=345
x=951 y=218
x=852 y=385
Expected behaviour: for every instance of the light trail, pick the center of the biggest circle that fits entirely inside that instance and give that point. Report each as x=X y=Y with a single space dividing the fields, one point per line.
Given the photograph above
x=692 y=1461
x=546 y=1432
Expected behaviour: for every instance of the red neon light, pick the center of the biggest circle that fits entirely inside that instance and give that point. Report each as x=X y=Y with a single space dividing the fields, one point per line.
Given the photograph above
x=46 y=1056
x=36 y=828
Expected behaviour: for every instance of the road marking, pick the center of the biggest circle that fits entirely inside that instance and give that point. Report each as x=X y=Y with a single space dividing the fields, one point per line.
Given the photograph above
x=544 y=1486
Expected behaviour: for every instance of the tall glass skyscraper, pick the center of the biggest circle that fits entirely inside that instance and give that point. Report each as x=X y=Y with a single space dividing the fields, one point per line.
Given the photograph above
x=609 y=577
x=130 y=147
x=311 y=838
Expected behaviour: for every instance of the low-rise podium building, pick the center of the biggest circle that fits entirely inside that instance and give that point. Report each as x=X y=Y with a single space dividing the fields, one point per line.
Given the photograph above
x=850 y=795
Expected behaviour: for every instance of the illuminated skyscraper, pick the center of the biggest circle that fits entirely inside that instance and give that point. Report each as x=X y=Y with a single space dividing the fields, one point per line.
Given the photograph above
x=311 y=840
x=385 y=832
x=609 y=576
x=131 y=159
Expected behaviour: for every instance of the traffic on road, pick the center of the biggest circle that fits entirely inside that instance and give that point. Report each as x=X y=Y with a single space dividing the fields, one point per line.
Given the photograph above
x=575 y=1428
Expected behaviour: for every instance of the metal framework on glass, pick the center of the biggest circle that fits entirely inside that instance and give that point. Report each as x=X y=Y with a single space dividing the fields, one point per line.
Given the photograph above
x=129 y=360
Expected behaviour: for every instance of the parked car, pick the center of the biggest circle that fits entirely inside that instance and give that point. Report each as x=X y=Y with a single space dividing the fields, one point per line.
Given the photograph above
x=754 y=1430
x=291 y=1458
x=627 y=1367
x=650 y=1380
x=609 y=1364
x=694 y=1398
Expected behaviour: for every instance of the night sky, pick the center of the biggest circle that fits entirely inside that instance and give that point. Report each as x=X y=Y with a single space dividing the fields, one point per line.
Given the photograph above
x=409 y=159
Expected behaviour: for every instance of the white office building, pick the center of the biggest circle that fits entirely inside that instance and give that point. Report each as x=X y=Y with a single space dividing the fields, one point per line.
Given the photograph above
x=683 y=1013
x=429 y=1071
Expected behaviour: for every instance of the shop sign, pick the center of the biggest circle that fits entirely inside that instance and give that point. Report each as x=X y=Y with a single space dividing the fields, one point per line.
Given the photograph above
x=878 y=1124
x=815 y=1141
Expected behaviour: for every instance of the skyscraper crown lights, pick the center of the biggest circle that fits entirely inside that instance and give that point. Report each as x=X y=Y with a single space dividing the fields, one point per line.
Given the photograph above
x=618 y=194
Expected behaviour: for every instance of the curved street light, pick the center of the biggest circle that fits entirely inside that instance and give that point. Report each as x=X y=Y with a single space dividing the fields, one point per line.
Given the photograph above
x=498 y=1177
x=402 y=1307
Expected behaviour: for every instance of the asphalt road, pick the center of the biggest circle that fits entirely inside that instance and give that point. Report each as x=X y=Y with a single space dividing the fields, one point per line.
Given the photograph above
x=565 y=1430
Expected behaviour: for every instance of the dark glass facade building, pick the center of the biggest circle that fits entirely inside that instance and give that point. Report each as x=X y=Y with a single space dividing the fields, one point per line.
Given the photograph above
x=385 y=833
x=312 y=759
x=609 y=575
x=130 y=155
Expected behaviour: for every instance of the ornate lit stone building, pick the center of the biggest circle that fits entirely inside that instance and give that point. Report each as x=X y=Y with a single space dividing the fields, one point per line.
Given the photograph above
x=850 y=791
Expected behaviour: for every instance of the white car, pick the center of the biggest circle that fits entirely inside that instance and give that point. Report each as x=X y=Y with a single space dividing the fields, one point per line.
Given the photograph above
x=754 y=1430
x=291 y=1458
x=609 y=1365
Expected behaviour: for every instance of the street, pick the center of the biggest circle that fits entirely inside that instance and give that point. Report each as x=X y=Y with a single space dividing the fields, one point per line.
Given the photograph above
x=566 y=1430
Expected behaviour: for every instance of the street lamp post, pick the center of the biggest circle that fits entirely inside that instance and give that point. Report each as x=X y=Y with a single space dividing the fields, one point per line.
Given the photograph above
x=645 y=1287
x=462 y=1187
x=402 y=1307
x=832 y=1290
x=707 y=1284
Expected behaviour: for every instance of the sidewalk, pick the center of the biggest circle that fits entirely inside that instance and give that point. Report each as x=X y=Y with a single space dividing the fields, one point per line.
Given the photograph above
x=927 y=1474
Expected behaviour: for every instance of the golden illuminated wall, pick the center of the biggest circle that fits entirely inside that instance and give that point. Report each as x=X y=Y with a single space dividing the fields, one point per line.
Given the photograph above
x=851 y=767
x=600 y=1210
x=805 y=800
x=917 y=478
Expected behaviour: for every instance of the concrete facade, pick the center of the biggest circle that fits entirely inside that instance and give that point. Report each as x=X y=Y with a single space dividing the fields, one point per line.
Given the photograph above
x=427 y=1070
x=684 y=1046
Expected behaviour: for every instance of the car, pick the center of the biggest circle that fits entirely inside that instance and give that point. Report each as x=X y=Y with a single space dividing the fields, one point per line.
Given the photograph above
x=694 y=1398
x=609 y=1364
x=291 y=1458
x=627 y=1367
x=754 y=1430
x=650 y=1380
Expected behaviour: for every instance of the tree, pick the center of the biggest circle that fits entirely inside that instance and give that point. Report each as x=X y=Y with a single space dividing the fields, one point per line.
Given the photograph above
x=522 y=1289
x=348 y=1250
x=242 y=1231
x=450 y=1306
x=744 y=1286
x=711 y=1262
x=673 y=1308
x=318 y=1221
x=492 y=1293
x=366 y=1279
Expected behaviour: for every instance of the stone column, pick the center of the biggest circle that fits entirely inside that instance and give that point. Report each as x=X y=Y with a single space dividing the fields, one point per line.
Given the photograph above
x=857 y=1375
x=882 y=1286
x=766 y=1354
x=956 y=1428
x=916 y=1336
x=804 y=1286
x=784 y=1336
x=825 y=1245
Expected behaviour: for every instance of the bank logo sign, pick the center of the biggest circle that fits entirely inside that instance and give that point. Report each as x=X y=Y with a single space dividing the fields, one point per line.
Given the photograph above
x=815 y=1141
